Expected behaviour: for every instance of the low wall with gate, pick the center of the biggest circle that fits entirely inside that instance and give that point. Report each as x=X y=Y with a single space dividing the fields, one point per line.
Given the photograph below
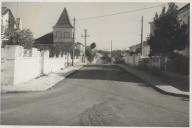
x=19 y=65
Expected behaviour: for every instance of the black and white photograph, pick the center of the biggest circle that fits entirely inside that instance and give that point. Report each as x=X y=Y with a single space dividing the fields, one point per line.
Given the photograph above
x=110 y=63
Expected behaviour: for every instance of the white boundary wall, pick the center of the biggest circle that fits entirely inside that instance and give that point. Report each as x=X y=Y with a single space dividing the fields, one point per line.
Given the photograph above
x=16 y=68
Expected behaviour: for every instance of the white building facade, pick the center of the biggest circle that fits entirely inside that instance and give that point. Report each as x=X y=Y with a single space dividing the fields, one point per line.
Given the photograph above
x=8 y=23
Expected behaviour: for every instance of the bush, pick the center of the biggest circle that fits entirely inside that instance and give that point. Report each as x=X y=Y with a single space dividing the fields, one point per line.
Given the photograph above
x=156 y=71
x=21 y=37
x=178 y=64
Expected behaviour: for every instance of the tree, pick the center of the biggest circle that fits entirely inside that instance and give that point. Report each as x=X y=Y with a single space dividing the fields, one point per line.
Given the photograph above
x=106 y=57
x=93 y=45
x=169 y=35
x=21 y=37
x=90 y=52
x=117 y=54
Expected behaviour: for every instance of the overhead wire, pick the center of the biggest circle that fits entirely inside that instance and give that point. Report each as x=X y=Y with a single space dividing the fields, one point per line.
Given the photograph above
x=119 y=13
x=113 y=14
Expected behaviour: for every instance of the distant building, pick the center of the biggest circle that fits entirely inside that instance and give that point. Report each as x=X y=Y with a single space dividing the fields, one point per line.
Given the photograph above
x=137 y=49
x=184 y=18
x=145 y=49
x=133 y=55
x=184 y=14
x=152 y=28
x=61 y=34
x=8 y=24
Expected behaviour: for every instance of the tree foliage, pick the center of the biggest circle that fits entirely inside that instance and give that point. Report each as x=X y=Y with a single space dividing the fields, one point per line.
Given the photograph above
x=59 y=49
x=93 y=45
x=105 y=57
x=90 y=52
x=169 y=35
x=117 y=55
x=20 y=37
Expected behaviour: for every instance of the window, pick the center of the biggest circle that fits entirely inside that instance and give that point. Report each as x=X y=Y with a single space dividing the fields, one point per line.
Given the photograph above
x=65 y=55
x=66 y=34
x=55 y=35
x=58 y=34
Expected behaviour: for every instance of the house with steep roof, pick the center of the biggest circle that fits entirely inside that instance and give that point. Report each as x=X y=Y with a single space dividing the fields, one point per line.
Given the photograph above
x=60 y=40
x=61 y=35
x=62 y=31
x=8 y=23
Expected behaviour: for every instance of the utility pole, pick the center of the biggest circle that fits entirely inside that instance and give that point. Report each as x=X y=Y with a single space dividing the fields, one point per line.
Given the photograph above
x=111 y=52
x=85 y=36
x=73 y=41
x=141 y=36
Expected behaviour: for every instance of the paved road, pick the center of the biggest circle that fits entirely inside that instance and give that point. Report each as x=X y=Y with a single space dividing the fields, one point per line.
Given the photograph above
x=100 y=95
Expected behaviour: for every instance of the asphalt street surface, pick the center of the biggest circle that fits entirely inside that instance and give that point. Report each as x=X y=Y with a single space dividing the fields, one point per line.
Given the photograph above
x=96 y=95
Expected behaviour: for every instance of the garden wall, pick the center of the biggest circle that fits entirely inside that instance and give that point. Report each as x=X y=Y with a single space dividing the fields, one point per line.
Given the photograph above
x=19 y=65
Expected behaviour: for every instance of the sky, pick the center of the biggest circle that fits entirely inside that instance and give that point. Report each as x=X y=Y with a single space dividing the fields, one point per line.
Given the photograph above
x=123 y=29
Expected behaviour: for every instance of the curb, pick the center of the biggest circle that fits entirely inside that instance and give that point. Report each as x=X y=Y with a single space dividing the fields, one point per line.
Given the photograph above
x=155 y=87
x=66 y=75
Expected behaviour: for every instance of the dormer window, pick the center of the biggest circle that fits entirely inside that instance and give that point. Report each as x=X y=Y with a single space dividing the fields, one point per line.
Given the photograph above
x=63 y=29
x=58 y=34
x=66 y=34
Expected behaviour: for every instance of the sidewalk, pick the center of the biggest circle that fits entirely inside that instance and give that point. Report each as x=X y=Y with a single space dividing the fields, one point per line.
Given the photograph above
x=155 y=82
x=41 y=83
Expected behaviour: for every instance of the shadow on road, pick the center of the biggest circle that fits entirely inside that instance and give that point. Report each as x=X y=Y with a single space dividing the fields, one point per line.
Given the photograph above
x=104 y=72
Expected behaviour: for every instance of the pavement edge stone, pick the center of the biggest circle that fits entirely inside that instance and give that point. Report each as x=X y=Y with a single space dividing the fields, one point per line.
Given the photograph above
x=155 y=87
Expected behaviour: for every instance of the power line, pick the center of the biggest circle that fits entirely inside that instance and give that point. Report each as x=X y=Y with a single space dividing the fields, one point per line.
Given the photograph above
x=118 y=13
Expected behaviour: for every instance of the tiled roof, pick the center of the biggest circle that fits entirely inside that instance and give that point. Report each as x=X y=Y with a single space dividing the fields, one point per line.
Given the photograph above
x=45 y=39
x=187 y=5
x=145 y=43
x=64 y=20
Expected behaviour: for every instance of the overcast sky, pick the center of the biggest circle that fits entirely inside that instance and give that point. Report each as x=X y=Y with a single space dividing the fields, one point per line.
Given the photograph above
x=123 y=29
